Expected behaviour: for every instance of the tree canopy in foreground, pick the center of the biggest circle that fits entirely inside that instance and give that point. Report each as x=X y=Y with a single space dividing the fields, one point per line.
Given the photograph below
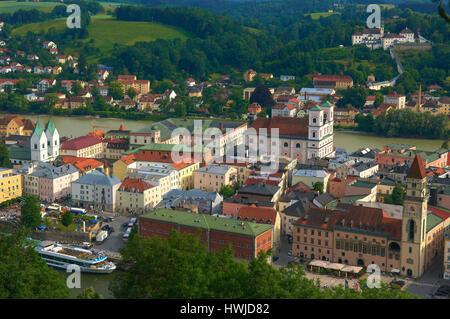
x=180 y=267
x=23 y=273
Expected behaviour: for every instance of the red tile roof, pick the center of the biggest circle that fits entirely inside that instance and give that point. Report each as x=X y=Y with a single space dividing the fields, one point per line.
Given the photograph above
x=183 y=164
x=337 y=78
x=294 y=127
x=80 y=143
x=386 y=106
x=135 y=185
x=417 y=170
x=126 y=77
x=301 y=187
x=255 y=180
x=128 y=159
x=82 y=164
x=258 y=214
x=353 y=217
x=393 y=36
x=439 y=212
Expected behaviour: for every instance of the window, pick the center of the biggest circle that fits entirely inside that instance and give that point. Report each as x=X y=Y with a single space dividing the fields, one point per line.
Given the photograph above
x=411 y=230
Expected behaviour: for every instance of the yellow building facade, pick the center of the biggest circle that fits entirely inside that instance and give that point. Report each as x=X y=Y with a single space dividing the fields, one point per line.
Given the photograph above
x=10 y=185
x=186 y=174
x=135 y=194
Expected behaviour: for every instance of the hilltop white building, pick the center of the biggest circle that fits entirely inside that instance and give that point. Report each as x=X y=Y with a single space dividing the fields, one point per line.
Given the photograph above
x=376 y=38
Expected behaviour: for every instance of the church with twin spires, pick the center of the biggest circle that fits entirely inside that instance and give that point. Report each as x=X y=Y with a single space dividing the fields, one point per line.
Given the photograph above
x=44 y=143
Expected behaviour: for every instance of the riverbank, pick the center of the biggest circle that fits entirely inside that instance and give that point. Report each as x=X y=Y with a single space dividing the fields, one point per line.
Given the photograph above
x=72 y=126
x=353 y=140
x=355 y=131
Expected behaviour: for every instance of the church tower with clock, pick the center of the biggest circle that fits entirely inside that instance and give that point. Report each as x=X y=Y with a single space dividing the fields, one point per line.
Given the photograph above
x=414 y=221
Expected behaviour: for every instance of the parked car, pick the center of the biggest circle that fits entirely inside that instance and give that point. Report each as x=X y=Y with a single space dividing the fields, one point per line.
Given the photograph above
x=124 y=225
x=275 y=258
x=290 y=253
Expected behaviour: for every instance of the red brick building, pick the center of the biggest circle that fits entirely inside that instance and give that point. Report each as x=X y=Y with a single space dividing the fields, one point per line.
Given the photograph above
x=246 y=238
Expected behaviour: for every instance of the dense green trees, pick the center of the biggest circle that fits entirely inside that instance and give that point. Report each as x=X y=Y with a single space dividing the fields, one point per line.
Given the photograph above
x=318 y=186
x=221 y=44
x=115 y=90
x=4 y=155
x=131 y=93
x=89 y=293
x=31 y=213
x=353 y=97
x=67 y=219
x=396 y=197
x=404 y=122
x=23 y=273
x=180 y=267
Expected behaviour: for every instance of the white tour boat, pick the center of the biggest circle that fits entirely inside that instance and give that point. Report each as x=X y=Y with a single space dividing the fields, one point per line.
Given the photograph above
x=61 y=256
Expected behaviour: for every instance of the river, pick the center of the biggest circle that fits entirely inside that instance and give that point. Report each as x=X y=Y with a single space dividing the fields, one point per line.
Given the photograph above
x=99 y=282
x=76 y=126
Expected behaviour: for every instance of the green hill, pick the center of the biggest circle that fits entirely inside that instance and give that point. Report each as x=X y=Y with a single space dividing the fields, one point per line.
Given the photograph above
x=12 y=6
x=106 y=31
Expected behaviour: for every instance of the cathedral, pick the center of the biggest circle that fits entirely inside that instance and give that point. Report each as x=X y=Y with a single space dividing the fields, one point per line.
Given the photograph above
x=44 y=144
x=297 y=138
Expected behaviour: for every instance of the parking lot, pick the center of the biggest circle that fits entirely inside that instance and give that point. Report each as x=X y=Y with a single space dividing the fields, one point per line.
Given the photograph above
x=114 y=241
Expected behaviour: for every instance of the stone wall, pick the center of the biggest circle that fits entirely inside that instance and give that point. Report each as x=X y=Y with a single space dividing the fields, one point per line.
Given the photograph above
x=61 y=235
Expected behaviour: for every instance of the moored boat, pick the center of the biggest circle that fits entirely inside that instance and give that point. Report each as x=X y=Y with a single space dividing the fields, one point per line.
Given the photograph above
x=62 y=256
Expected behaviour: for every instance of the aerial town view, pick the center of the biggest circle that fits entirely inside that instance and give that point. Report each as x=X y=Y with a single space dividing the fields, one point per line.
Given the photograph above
x=232 y=149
